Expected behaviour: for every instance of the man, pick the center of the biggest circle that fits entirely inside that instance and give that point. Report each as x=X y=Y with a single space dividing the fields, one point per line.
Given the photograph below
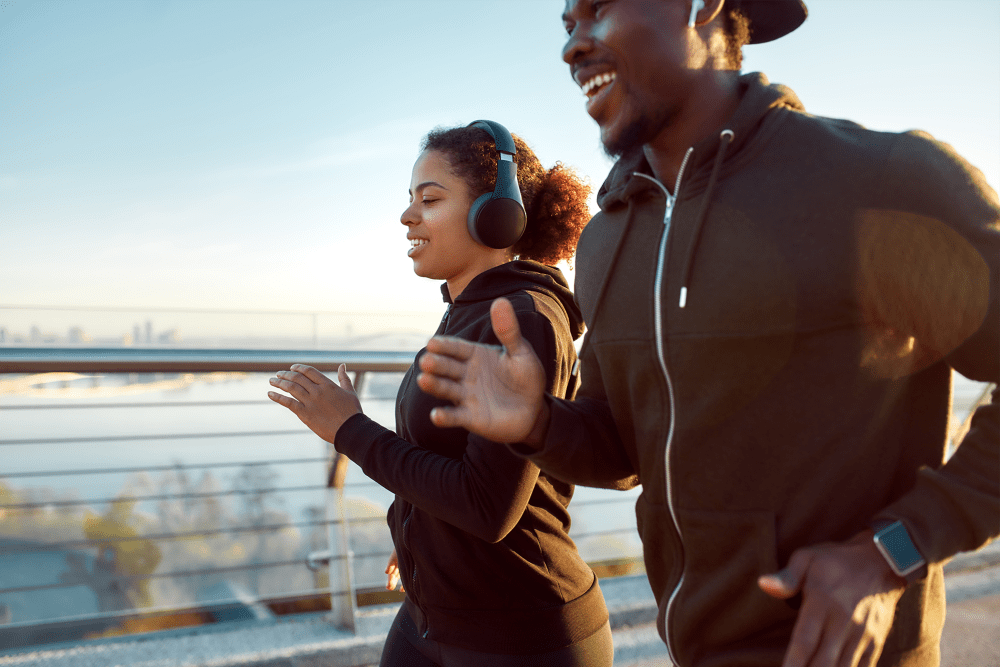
x=775 y=302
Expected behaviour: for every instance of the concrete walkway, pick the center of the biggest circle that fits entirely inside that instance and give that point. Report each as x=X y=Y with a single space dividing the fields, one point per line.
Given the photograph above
x=971 y=636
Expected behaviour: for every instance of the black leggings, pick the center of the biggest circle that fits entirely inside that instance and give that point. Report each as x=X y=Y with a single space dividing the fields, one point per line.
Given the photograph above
x=405 y=648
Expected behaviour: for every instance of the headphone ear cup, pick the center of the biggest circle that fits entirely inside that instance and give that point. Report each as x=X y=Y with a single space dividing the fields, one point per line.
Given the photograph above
x=496 y=222
x=474 y=217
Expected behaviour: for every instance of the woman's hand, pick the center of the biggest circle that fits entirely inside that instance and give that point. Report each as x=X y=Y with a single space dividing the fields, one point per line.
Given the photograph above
x=392 y=569
x=315 y=399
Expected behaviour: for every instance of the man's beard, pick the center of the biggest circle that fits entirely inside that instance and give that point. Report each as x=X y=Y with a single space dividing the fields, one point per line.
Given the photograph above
x=639 y=132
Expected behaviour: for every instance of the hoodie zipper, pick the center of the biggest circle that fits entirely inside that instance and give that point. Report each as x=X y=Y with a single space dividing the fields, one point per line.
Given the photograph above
x=661 y=353
x=406 y=522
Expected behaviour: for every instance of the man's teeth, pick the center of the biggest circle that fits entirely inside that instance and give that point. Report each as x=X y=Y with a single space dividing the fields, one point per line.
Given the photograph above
x=596 y=82
x=414 y=243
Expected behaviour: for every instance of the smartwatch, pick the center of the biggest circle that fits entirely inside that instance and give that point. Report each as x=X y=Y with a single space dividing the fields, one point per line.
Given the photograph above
x=895 y=545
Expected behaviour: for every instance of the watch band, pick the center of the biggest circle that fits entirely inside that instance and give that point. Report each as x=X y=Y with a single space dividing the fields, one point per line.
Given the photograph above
x=894 y=543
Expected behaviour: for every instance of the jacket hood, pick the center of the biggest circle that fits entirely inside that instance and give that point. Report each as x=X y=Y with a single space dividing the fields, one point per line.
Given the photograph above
x=516 y=276
x=757 y=98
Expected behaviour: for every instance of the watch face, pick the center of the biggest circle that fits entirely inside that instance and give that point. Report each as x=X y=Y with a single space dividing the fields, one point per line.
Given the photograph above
x=895 y=543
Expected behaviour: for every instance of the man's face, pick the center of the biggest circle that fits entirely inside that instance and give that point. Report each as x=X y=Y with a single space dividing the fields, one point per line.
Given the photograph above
x=630 y=59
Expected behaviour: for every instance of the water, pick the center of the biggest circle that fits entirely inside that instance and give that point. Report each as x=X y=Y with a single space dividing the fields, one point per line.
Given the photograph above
x=70 y=423
x=122 y=406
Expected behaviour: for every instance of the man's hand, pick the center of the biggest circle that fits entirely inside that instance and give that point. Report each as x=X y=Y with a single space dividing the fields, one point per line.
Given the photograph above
x=316 y=400
x=849 y=597
x=497 y=391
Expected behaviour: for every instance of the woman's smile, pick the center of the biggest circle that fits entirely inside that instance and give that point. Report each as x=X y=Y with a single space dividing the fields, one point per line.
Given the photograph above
x=415 y=246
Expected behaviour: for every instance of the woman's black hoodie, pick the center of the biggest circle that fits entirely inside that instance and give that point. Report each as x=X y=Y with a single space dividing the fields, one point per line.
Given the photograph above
x=480 y=534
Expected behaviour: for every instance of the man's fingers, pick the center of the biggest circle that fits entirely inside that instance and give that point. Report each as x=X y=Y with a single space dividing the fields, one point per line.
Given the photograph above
x=806 y=637
x=505 y=325
x=447 y=417
x=787 y=583
x=444 y=388
x=778 y=585
x=442 y=366
x=451 y=347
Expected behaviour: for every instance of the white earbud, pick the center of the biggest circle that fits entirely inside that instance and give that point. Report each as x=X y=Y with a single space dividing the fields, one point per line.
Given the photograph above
x=696 y=6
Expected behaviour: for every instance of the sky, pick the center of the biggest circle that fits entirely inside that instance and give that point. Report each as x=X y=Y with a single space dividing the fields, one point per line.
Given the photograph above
x=256 y=154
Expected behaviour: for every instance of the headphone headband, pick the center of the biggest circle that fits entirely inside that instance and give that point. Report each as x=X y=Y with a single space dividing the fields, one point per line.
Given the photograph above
x=501 y=137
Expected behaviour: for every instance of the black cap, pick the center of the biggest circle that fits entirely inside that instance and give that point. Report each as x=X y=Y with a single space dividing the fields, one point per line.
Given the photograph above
x=771 y=19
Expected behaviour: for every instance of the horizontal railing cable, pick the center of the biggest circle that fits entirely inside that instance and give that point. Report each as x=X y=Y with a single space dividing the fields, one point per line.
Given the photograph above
x=597 y=533
x=244 y=567
x=165 y=537
x=104 y=406
x=194 y=360
x=577 y=504
x=159 y=537
x=159 y=575
x=163 y=496
x=194 y=466
x=155 y=436
x=207 y=607
x=202 y=311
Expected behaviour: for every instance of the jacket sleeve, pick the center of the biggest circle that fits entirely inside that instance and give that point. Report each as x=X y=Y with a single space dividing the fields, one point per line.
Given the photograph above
x=582 y=445
x=946 y=296
x=485 y=493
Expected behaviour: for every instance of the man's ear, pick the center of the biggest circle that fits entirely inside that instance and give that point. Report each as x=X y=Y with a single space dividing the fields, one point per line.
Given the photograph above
x=707 y=11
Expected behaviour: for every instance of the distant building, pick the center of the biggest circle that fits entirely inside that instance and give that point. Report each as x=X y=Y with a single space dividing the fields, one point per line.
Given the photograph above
x=78 y=335
x=171 y=337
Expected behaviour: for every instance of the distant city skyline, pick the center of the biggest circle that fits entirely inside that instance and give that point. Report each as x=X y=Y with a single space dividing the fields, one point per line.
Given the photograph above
x=180 y=326
x=230 y=155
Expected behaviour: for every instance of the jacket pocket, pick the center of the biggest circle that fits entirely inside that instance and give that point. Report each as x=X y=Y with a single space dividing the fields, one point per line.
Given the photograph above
x=720 y=604
x=660 y=549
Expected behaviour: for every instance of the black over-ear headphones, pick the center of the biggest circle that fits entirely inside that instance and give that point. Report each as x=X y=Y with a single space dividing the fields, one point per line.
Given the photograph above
x=497 y=219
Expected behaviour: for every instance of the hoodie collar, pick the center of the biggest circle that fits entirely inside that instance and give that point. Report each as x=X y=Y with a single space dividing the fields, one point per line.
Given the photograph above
x=516 y=276
x=758 y=97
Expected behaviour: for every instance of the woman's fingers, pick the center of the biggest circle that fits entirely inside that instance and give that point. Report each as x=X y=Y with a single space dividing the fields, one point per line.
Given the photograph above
x=287 y=382
x=345 y=379
x=310 y=373
x=392 y=569
x=286 y=401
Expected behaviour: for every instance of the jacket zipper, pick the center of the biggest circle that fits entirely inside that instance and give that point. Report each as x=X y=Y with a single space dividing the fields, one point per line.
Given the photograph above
x=406 y=521
x=406 y=542
x=661 y=353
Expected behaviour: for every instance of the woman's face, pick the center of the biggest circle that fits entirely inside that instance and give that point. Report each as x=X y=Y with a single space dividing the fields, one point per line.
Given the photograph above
x=436 y=221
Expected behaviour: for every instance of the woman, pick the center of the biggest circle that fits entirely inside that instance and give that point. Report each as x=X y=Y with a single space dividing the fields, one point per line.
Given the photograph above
x=490 y=573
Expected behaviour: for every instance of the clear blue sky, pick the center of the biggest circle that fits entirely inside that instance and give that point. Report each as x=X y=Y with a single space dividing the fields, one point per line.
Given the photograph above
x=256 y=154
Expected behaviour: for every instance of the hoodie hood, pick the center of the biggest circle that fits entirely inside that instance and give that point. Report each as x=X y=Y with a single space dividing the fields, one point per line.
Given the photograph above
x=516 y=276
x=749 y=124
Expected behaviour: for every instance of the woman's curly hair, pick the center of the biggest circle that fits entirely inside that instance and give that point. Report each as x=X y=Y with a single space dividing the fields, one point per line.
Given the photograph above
x=555 y=200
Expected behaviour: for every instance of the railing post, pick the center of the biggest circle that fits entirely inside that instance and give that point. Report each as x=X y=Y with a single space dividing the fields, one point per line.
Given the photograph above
x=343 y=601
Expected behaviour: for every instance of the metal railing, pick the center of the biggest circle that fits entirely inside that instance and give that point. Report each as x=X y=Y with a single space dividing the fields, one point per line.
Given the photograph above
x=139 y=567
